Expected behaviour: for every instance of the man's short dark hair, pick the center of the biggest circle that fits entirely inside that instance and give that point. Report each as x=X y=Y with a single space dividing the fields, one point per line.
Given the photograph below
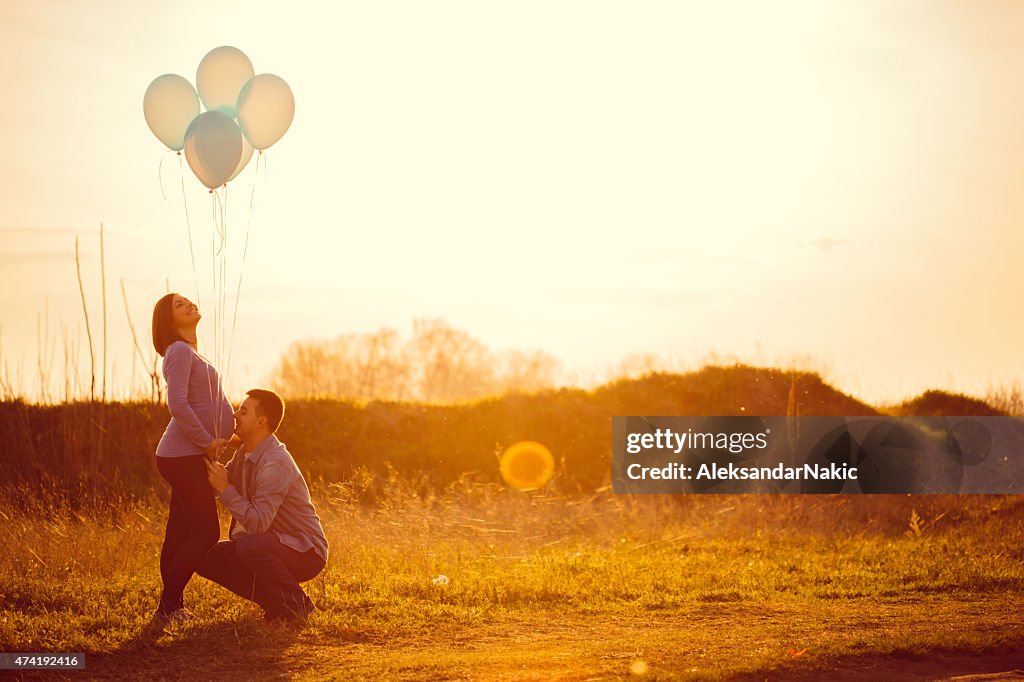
x=269 y=405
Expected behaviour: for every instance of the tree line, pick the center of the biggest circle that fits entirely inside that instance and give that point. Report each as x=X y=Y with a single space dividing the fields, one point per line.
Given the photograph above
x=437 y=363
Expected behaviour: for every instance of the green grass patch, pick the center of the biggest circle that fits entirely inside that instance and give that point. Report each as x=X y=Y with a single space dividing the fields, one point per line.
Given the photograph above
x=539 y=587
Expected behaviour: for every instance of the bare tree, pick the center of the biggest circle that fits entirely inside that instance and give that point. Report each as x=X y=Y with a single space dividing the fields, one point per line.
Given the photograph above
x=303 y=369
x=365 y=366
x=449 y=364
x=637 y=365
x=437 y=364
x=384 y=367
x=527 y=372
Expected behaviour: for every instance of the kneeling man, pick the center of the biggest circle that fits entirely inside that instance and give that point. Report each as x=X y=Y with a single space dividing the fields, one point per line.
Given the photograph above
x=276 y=540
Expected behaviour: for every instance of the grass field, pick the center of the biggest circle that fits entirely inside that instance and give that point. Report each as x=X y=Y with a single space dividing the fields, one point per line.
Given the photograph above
x=570 y=583
x=546 y=587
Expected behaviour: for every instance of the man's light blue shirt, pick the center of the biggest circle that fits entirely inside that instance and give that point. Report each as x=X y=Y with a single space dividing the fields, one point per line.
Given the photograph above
x=267 y=493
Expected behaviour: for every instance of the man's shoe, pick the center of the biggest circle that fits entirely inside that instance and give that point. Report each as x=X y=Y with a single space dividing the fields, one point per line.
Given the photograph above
x=287 y=620
x=289 y=617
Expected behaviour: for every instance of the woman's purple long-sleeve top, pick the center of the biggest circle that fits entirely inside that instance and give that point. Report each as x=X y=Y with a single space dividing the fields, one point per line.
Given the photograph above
x=199 y=409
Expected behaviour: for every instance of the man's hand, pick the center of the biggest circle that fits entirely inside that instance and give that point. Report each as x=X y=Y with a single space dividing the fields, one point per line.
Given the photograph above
x=217 y=475
x=214 y=449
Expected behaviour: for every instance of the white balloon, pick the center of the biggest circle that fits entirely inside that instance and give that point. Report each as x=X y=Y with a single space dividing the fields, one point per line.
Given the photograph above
x=266 y=108
x=169 y=105
x=213 y=147
x=244 y=161
x=220 y=77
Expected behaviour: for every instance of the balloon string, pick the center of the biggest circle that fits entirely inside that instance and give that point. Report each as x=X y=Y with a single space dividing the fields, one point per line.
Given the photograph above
x=245 y=252
x=221 y=258
x=252 y=194
x=218 y=224
x=224 y=215
x=221 y=302
x=213 y=264
x=160 y=172
x=188 y=225
x=223 y=281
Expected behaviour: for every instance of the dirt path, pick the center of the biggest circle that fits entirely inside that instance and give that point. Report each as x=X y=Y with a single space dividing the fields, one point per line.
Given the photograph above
x=900 y=641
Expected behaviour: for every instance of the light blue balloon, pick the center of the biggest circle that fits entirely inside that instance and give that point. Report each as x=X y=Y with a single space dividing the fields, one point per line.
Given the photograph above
x=170 y=105
x=220 y=77
x=213 y=147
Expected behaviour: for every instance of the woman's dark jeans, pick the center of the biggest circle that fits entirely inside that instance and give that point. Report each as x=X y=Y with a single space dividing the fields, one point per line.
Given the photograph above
x=192 y=525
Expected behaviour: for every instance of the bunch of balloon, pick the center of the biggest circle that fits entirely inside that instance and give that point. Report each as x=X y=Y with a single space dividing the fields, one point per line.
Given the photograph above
x=244 y=112
x=241 y=112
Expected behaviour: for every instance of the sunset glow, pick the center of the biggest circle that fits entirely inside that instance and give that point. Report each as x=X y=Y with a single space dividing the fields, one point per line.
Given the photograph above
x=831 y=185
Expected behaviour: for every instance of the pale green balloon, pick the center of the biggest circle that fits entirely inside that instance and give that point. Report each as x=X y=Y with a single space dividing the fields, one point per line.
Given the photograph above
x=220 y=77
x=266 y=108
x=170 y=105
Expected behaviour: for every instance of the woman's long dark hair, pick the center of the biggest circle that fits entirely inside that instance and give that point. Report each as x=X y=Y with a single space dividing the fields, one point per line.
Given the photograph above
x=164 y=331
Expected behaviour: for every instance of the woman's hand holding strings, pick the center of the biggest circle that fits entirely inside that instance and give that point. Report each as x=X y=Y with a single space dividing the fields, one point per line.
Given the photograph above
x=214 y=449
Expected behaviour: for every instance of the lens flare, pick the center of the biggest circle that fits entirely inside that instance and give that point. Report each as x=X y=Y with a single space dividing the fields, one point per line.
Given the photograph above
x=527 y=465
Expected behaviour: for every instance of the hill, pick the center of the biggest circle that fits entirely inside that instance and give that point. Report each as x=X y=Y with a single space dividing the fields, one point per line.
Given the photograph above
x=942 y=404
x=98 y=450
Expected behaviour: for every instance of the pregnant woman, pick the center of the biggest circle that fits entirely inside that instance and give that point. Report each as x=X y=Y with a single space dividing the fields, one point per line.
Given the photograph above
x=201 y=424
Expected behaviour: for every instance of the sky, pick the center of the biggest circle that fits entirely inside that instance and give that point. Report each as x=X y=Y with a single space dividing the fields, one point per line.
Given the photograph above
x=825 y=185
